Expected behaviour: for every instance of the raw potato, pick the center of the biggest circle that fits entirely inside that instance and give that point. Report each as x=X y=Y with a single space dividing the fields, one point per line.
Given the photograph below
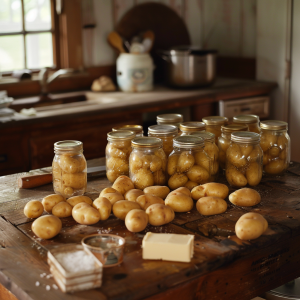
x=112 y=175
x=190 y=185
x=182 y=190
x=46 y=227
x=275 y=167
x=68 y=191
x=208 y=206
x=114 y=197
x=123 y=184
x=198 y=174
x=106 y=191
x=250 y=226
x=211 y=189
x=104 y=207
x=84 y=214
x=202 y=160
x=180 y=202
x=246 y=149
x=254 y=174
x=123 y=207
x=72 y=163
x=50 y=201
x=267 y=140
x=235 y=177
x=33 y=209
x=185 y=162
x=76 y=181
x=78 y=199
x=177 y=180
x=159 y=191
x=62 y=210
x=113 y=151
x=234 y=156
x=172 y=164
x=132 y=195
x=143 y=178
x=160 y=214
x=146 y=200
x=245 y=197
x=136 y=220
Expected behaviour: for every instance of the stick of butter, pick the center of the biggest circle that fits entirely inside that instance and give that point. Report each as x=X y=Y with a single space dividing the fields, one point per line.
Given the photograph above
x=168 y=246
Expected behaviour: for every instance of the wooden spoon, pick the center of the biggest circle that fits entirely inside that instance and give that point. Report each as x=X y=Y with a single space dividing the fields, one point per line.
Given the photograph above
x=115 y=40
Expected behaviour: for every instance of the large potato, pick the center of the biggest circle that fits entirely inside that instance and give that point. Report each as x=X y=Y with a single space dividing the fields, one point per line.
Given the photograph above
x=160 y=214
x=235 y=177
x=106 y=191
x=250 y=226
x=136 y=220
x=208 y=206
x=172 y=163
x=177 y=180
x=135 y=162
x=212 y=189
x=180 y=202
x=46 y=227
x=104 y=207
x=275 y=167
x=235 y=157
x=245 y=197
x=76 y=181
x=114 y=197
x=131 y=195
x=202 y=160
x=254 y=174
x=78 y=199
x=33 y=209
x=123 y=184
x=143 y=178
x=182 y=190
x=62 y=210
x=146 y=200
x=85 y=214
x=50 y=201
x=190 y=185
x=72 y=163
x=123 y=207
x=162 y=155
x=198 y=174
x=185 y=162
x=159 y=191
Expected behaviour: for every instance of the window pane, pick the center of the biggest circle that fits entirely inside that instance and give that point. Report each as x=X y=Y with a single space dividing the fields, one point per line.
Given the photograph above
x=37 y=14
x=11 y=53
x=10 y=16
x=39 y=50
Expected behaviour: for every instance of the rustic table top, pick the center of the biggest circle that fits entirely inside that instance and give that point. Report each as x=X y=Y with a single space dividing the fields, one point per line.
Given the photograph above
x=223 y=267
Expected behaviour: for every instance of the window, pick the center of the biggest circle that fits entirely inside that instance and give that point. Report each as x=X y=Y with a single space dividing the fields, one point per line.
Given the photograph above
x=26 y=34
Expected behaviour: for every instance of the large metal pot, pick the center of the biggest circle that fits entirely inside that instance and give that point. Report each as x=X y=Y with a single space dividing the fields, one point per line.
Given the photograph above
x=189 y=67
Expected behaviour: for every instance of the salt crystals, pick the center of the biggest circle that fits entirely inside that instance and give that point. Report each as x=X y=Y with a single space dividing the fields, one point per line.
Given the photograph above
x=37 y=284
x=54 y=286
x=48 y=287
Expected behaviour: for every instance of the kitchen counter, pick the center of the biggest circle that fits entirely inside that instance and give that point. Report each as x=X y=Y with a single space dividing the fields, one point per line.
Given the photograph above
x=223 y=267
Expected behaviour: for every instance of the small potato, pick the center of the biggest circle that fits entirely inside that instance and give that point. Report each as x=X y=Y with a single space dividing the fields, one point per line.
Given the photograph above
x=136 y=220
x=208 y=206
x=78 y=199
x=198 y=174
x=118 y=165
x=282 y=142
x=33 y=209
x=190 y=185
x=106 y=191
x=159 y=191
x=275 y=167
x=172 y=163
x=245 y=197
x=143 y=178
x=155 y=164
x=266 y=158
x=250 y=226
x=159 y=177
x=146 y=200
x=46 y=227
x=267 y=140
x=211 y=189
x=185 y=162
x=72 y=163
x=68 y=191
x=235 y=157
x=180 y=202
x=62 y=210
x=123 y=184
x=160 y=214
x=246 y=149
x=112 y=175
x=202 y=160
x=135 y=162
x=123 y=207
x=255 y=153
x=104 y=207
x=113 y=151
x=50 y=201
x=131 y=195
x=254 y=174
x=182 y=190
x=76 y=181
x=212 y=150
x=222 y=159
x=177 y=180
x=85 y=214
x=274 y=151
x=114 y=197
x=223 y=145
x=56 y=170
x=235 y=177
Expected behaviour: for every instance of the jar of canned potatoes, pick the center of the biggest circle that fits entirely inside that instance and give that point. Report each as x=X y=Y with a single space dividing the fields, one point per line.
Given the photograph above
x=252 y=121
x=213 y=125
x=244 y=159
x=69 y=169
x=187 y=128
x=225 y=139
x=147 y=162
x=212 y=151
x=117 y=153
x=137 y=129
x=275 y=143
x=188 y=164
x=166 y=133
x=169 y=119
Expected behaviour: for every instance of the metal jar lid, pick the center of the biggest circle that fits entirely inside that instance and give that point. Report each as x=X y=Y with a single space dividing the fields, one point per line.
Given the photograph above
x=162 y=130
x=215 y=120
x=120 y=135
x=192 y=126
x=274 y=125
x=246 y=119
x=245 y=137
x=68 y=145
x=169 y=118
x=233 y=128
x=146 y=142
x=207 y=136
x=138 y=129
x=188 y=141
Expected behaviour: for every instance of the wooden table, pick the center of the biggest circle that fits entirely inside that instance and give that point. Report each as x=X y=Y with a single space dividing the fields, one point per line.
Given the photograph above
x=223 y=267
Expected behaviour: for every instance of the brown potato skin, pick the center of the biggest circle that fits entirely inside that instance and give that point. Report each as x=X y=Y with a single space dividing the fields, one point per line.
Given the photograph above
x=190 y=185
x=78 y=199
x=209 y=206
x=212 y=189
x=46 y=227
x=245 y=197
x=177 y=180
x=123 y=184
x=136 y=220
x=254 y=174
x=114 y=197
x=50 y=201
x=235 y=177
x=157 y=190
x=123 y=207
x=146 y=200
x=132 y=195
x=180 y=202
x=106 y=191
x=182 y=190
x=33 y=209
x=104 y=207
x=62 y=210
x=85 y=214
x=160 y=214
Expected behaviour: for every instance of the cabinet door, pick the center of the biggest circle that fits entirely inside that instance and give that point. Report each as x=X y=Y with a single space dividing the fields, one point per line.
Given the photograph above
x=204 y=110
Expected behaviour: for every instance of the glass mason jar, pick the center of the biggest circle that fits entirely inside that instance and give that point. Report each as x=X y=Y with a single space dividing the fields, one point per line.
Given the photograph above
x=213 y=125
x=275 y=143
x=225 y=139
x=187 y=128
x=147 y=162
x=244 y=159
x=252 y=121
x=169 y=119
x=212 y=151
x=188 y=164
x=117 y=153
x=69 y=170
x=137 y=129
x=166 y=133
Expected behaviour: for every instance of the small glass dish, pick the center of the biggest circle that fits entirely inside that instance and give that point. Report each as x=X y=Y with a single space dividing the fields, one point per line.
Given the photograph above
x=107 y=248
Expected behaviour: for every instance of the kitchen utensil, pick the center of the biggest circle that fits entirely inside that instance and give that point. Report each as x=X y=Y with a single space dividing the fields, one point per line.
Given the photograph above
x=115 y=40
x=148 y=40
x=137 y=48
x=29 y=182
